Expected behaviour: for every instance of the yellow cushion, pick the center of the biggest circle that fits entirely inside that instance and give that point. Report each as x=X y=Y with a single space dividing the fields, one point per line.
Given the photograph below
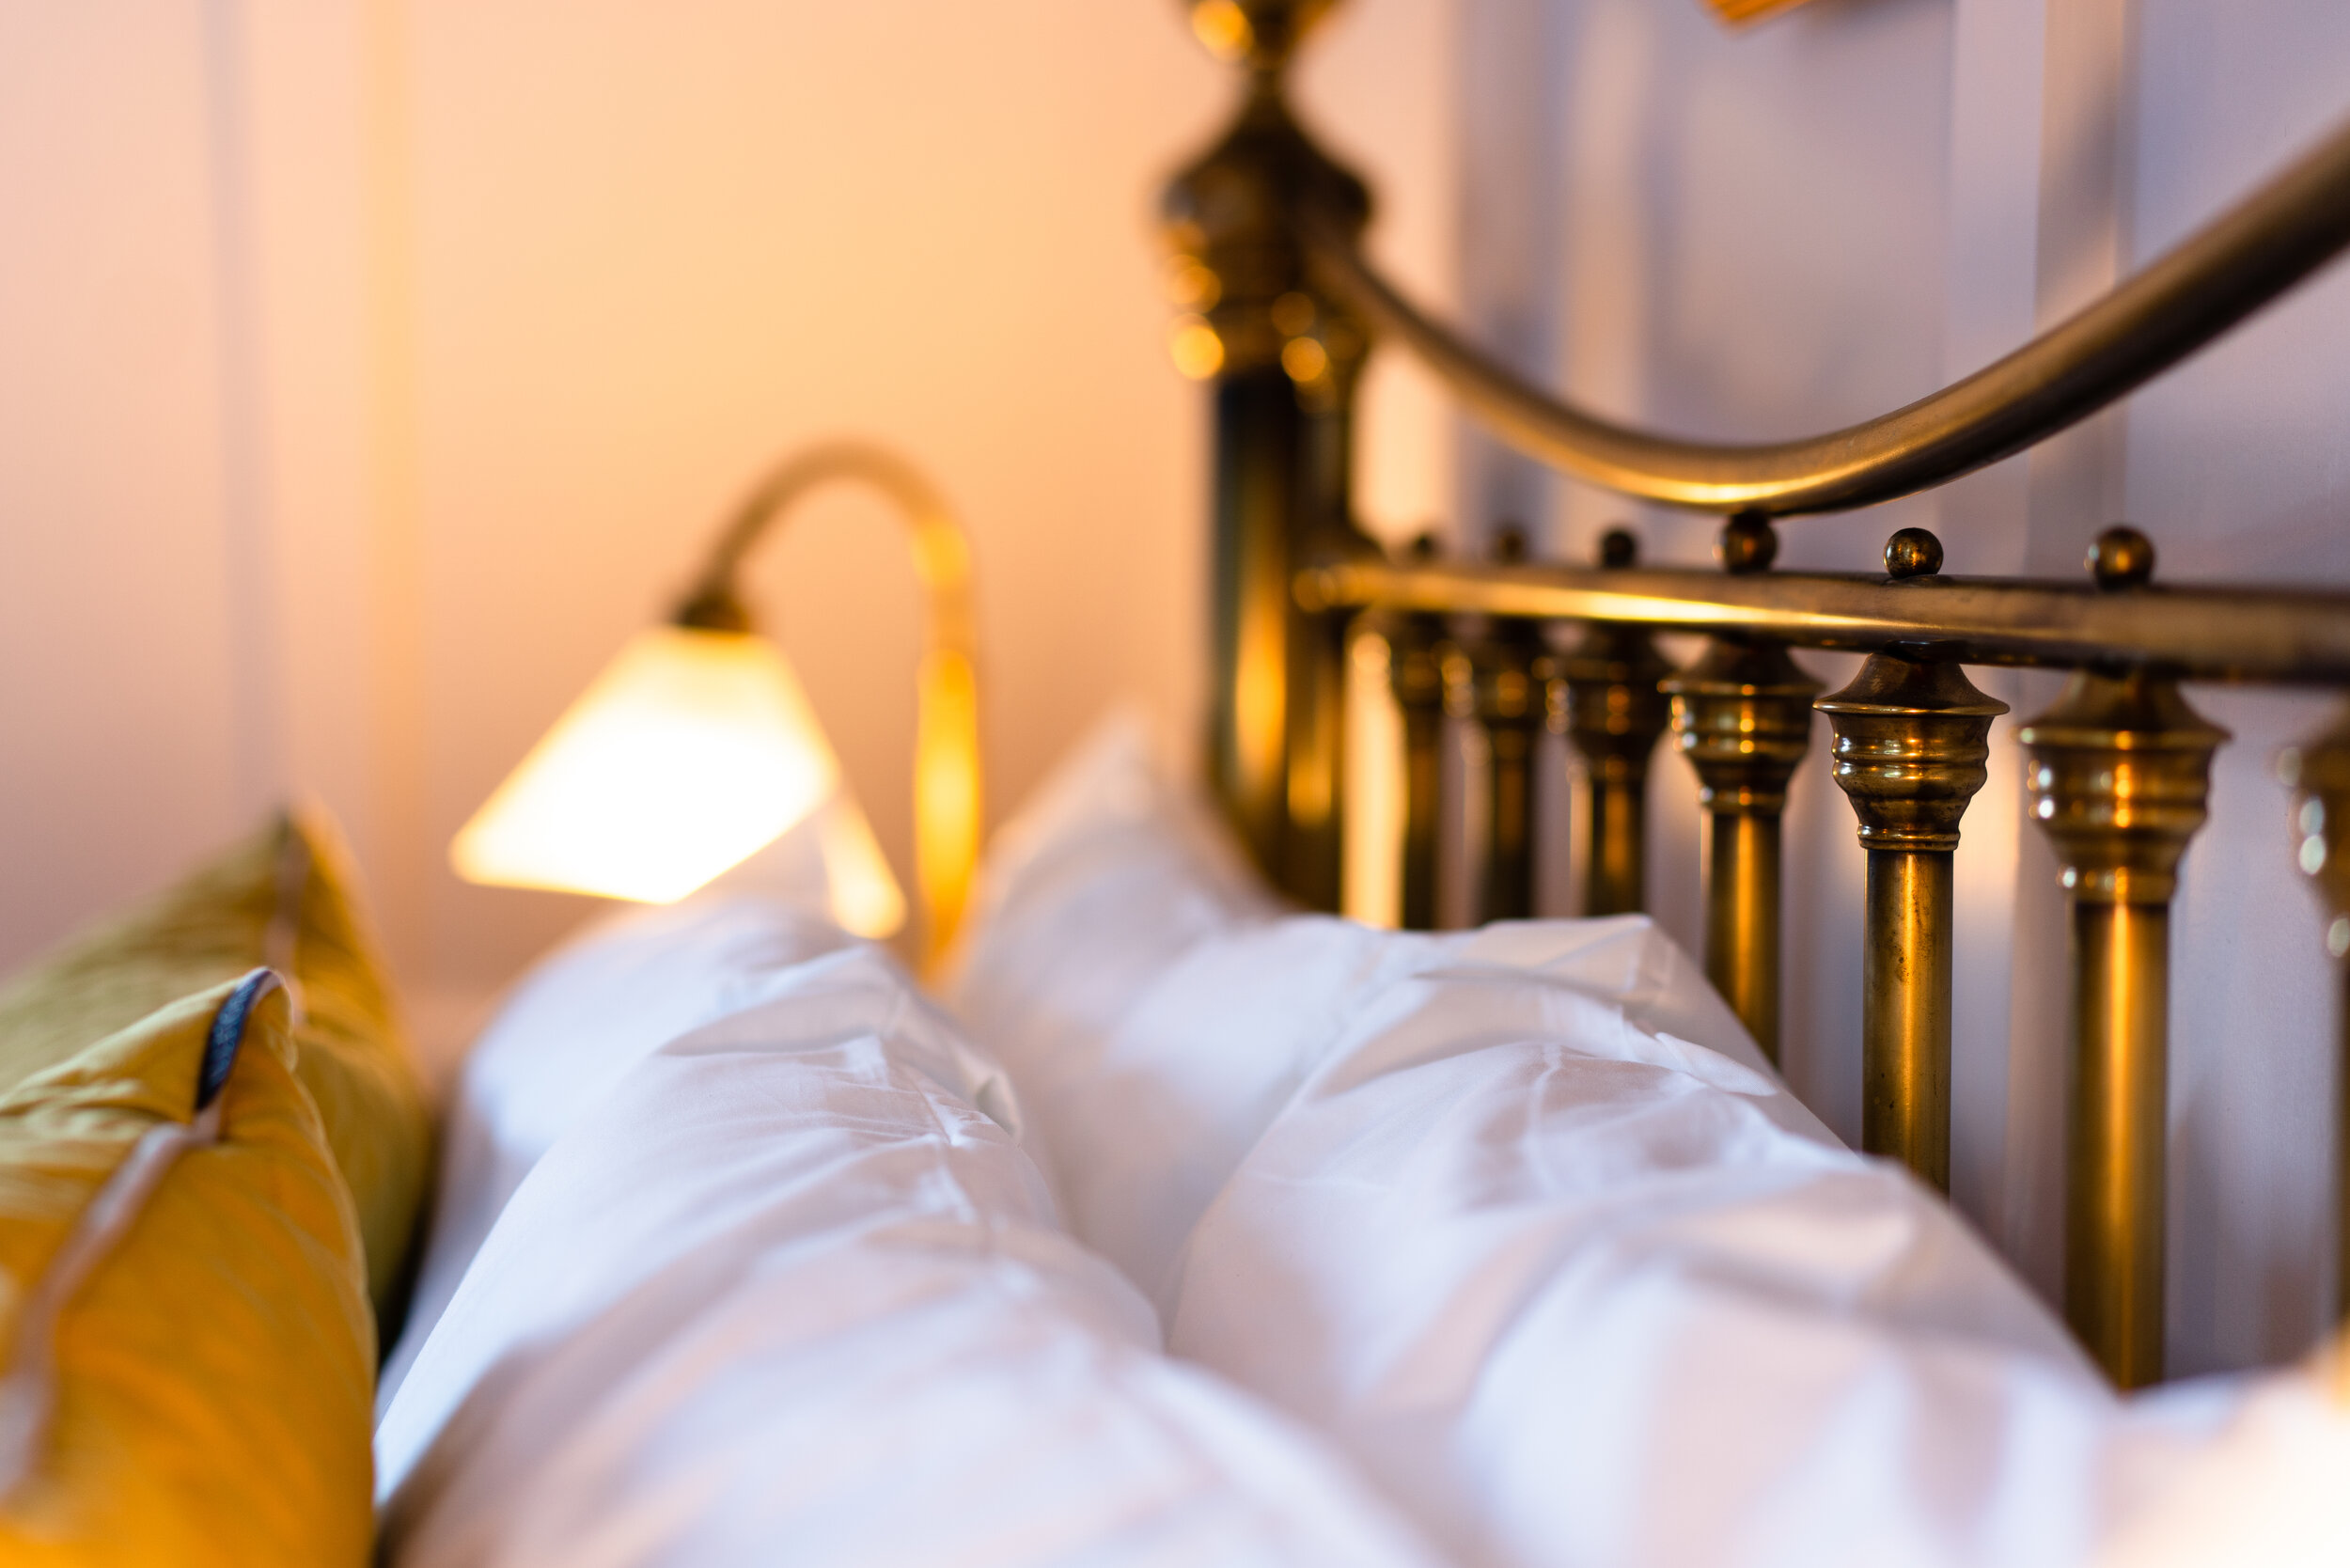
x=281 y=897
x=210 y=1379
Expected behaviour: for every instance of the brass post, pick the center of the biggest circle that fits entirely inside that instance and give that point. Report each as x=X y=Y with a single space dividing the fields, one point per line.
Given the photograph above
x=1418 y=645
x=1742 y=714
x=1912 y=741
x=2119 y=772
x=1284 y=360
x=2319 y=771
x=1612 y=714
x=1508 y=667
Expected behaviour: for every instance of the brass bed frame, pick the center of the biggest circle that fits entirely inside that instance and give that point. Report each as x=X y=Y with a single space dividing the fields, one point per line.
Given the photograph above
x=1281 y=309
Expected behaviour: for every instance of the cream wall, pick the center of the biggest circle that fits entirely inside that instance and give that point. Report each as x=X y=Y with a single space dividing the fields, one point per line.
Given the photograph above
x=370 y=368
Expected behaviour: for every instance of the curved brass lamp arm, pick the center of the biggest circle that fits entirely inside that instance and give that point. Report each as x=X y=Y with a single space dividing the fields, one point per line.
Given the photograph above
x=2221 y=274
x=947 y=797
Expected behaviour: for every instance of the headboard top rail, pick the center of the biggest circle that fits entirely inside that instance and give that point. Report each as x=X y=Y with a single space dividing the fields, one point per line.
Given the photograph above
x=2203 y=633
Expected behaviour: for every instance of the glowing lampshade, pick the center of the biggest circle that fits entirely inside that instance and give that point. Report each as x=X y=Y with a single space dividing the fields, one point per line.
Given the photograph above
x=690 y=752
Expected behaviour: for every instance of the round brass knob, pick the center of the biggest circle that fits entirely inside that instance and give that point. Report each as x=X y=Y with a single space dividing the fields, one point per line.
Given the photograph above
x=2122 y=558
x=1265 y=33
x=1912 y=553
x=1748 y=544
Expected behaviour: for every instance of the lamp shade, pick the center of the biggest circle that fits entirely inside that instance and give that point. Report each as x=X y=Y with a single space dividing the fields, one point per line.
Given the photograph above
x=691 y=751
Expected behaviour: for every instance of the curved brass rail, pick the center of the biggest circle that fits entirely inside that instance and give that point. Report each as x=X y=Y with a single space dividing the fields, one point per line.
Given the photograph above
x=2191 y=294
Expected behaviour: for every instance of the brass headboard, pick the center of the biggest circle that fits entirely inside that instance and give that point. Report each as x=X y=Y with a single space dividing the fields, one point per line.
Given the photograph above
x=1281 y=308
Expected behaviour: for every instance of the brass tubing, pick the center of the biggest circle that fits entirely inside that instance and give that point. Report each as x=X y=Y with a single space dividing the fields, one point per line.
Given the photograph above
x=1423 y=733
x=2119 y=773
x=2318 y=772
x=1742 y=907
x=947 y=766
x=1616 y=871
x=1912 y=741
x=1505 y=891
x=1905 y=1011
x=2183 y=299
x=2290 y=637
x=1742 y=714
x=1284 y=361
x=1612 y=714
x=2114 y=1213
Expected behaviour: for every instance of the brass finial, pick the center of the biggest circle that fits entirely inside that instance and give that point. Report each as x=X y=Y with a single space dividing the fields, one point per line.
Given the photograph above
x=1912 y=741
x=1747 y=543
x=1264 y=33
x=2318 y=773
x=1912 y=553
x=2122 y=558
x=2118 y=776
x=1237 y=276
x=1605 y=699
x=1742 y=714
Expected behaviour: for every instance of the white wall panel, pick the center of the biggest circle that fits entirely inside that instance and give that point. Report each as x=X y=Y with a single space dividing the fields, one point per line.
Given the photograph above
x=125 y=748
x=2239 y=466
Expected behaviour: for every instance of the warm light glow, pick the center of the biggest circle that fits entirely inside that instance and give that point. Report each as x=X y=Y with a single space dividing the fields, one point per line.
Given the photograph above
x=1305 y=359
x=864 y=899
x=1223 y=28
x=946 y=788
x=1195 y=347
x=691 y=751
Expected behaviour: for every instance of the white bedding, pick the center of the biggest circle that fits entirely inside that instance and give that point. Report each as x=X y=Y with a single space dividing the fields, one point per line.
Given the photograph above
x=787 y=1294
x=1533 y=1254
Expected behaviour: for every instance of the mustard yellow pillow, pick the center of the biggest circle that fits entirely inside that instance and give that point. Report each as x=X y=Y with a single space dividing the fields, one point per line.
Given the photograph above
x=283 y=897
x=190 y=1354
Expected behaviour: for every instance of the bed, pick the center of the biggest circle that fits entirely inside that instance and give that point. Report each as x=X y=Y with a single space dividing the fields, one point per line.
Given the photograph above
x=1175 y=1217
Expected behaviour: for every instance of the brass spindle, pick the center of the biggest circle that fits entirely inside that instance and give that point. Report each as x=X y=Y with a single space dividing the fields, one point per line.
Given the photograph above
x=1613 y=713
x=2319 y=771
x=1418 y=645
x=1508 y=704
x=1912 y=741
x=1742 y=714
x=2119 y=773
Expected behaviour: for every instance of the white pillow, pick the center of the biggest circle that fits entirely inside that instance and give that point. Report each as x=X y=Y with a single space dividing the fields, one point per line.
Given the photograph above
x=1522 y=1219
x=788 y=1294
x=1576 y=1290
x=1105 y=884
x=629 y=983
x=1135 y=980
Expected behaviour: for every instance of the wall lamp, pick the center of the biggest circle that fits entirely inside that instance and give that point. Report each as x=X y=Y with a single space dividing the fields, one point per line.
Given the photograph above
x=695 y=746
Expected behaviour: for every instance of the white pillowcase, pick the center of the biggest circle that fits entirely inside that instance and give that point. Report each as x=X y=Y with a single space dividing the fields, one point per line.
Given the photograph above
x=1523 y=1220
x=1574 y=1289
x=573 y=1030
x=787 y=1294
